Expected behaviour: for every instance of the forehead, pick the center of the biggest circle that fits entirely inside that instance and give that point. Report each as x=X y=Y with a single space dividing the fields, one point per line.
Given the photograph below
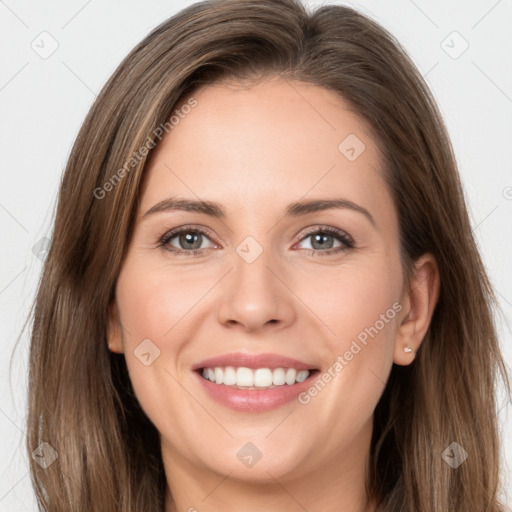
x=253 y=142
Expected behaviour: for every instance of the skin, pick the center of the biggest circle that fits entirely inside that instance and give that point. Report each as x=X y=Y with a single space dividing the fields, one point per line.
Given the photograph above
x=254 y=149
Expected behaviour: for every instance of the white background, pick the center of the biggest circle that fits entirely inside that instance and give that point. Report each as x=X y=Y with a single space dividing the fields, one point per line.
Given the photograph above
x=43 y=102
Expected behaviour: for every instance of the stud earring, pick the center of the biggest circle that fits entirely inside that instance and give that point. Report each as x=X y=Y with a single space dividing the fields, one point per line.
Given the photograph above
x=407 y=349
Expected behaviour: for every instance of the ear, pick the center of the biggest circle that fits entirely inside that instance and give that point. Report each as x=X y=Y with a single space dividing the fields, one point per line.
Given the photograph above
x=114 y=337
x=419 y=301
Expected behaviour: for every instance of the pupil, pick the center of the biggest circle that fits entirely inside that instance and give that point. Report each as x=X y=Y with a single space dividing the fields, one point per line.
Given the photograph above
x=191 y=238
x=320 y=238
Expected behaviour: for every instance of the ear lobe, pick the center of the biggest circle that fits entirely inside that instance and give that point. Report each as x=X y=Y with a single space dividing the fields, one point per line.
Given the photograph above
x=420 y=299
x=114 y=338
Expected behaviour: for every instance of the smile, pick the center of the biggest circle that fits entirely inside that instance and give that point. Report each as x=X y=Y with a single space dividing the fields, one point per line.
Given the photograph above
x=254 y=399
x=259 y=378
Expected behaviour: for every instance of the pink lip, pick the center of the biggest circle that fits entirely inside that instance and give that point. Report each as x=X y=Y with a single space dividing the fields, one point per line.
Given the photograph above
x=254 y=400
x=253 y=361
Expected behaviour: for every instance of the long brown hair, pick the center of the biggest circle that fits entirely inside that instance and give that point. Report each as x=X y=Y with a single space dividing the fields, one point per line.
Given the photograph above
x=80 y=398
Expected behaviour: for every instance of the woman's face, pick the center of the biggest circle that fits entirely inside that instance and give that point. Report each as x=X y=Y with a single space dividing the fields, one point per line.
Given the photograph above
x=298 y=258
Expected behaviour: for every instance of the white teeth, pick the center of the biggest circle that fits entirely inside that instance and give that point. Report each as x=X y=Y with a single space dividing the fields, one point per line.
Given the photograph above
x=278 y=377
x=263 y=378
x=291 y=373
x=302 y=376
x=229 y=376
x=253 y=379
x=244 y=377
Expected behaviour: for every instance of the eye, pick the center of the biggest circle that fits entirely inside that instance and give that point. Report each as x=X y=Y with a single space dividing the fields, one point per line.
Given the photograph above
x=324 y=240
x=192 y=240
x=186 y=240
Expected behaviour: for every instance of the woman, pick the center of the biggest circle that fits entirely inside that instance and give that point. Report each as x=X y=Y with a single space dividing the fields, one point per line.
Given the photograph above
x=326 y=340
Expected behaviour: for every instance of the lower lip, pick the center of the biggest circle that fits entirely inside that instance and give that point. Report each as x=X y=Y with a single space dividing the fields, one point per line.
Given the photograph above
x=255 y=400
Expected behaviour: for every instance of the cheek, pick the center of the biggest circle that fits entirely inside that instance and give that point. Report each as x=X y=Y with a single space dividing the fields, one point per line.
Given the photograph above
x=159 y=308
x=360 y=357
x=154 y=300
x=360 y=305
x=356 y=302
x=154 y=305
x=366 y=318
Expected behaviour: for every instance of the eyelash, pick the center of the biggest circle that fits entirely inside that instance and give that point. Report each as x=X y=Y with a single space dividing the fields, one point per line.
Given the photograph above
x=343 y=237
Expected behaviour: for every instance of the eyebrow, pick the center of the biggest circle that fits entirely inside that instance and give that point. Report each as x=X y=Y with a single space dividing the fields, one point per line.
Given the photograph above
x=295 y=209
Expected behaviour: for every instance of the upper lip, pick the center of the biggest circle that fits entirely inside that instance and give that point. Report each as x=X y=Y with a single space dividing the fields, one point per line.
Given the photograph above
x=240 y=359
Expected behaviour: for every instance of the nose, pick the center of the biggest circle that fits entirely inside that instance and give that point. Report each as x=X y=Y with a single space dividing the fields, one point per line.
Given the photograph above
x=255 y=296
